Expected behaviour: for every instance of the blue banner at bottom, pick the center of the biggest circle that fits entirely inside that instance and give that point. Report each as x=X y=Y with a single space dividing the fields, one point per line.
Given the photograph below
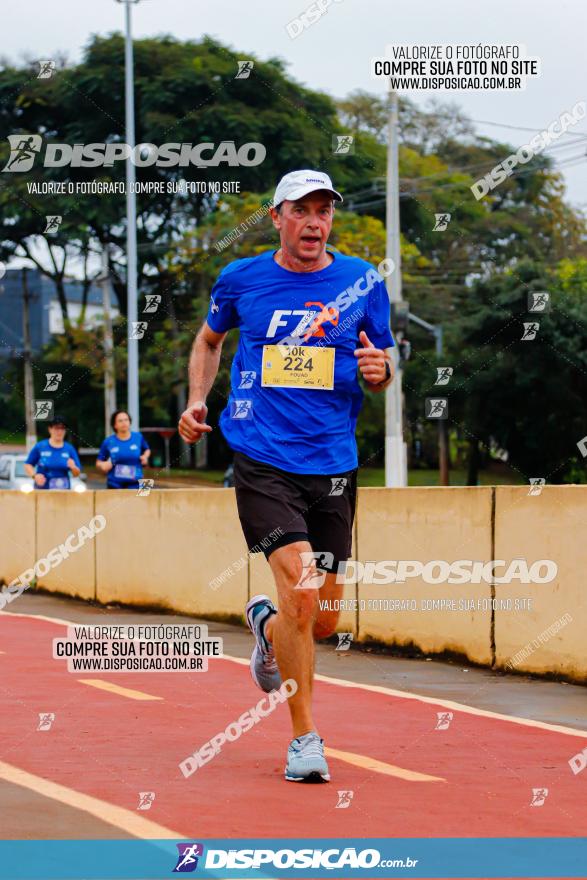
x=530 y=857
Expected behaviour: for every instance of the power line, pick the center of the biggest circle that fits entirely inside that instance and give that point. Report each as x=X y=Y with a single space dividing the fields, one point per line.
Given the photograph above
x=536 y=130
x=568 y=162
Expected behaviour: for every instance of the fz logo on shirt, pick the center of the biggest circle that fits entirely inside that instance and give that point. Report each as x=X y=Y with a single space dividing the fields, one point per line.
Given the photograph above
x=310 y=323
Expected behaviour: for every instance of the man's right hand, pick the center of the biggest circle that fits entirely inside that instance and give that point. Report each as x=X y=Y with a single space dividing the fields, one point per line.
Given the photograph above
x=192 y=424
x=40 y=479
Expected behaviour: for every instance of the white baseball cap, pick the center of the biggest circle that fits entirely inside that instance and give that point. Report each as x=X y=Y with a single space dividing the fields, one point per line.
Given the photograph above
x=298 y=184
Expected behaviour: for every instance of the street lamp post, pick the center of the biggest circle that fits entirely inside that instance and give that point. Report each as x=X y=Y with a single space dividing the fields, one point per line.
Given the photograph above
x=29 y=387
x=395 y=455
x=131 y=226
x=443 y=456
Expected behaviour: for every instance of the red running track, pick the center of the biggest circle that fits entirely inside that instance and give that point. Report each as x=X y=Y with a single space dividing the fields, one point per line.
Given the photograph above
x=111 y=747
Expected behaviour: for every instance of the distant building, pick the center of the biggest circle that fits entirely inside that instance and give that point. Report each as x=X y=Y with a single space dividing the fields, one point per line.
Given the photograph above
x=46 y=319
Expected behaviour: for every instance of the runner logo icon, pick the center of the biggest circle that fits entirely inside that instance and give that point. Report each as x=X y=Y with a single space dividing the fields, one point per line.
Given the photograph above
x=53 y=222
x=539 y=302
x=436 y=408
x=241 y=409
x=146 y=799
x=338 y=485
x=152 y=301
x=539 y=795
x=52 y=381
x=43 y=410
x=531 y=328
x=46 y=69
x=187 y=860
x=247 y=378
x=344 y=800
x=24 y=148
x=444 y=719
x=46 y=719
x=343 y=144
x=344 y=641
x=312 y=578
x=441 y=222
x=444 y=375
x=244 y=69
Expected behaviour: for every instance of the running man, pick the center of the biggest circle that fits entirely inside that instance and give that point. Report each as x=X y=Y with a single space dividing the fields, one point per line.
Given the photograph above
x=308 y=317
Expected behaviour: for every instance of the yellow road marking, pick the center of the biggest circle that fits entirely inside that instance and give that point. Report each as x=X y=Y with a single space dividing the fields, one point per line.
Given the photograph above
x=119 y=817
x=378 y=689
x=380 y=766
x=117 y=689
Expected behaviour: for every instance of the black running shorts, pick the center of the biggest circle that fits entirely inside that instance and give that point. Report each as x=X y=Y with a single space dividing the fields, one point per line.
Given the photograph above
x=277 y=508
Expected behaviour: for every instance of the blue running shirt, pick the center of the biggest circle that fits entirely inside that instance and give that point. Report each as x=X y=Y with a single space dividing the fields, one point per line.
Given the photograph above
x=297 y=429
x=126 y=458
x=51 y=461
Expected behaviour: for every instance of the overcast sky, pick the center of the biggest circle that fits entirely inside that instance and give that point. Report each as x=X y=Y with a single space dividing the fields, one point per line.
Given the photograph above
x=334 y=54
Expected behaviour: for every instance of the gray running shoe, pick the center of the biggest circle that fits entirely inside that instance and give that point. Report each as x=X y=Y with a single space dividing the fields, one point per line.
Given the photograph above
x=306 y=761
x=264 y=669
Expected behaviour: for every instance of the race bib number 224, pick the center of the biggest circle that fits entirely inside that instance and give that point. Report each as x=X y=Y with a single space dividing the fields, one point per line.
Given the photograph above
x=298 y=366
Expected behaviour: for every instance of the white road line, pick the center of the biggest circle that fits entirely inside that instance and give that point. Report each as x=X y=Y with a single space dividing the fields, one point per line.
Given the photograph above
x=377 y=689
x=119 y=817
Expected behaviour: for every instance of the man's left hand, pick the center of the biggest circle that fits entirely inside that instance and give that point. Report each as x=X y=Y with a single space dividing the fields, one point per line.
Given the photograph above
x=372 y=361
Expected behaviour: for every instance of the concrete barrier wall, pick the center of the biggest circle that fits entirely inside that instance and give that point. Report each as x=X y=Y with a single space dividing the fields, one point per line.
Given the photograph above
x=425 y=524
x=17 y=533
x=551 y=637
x=167 y=548
x=182 y=549
x=58 y=515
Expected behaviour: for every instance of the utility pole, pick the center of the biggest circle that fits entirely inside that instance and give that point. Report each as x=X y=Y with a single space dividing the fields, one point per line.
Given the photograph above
x=29 y=387
x=443 y=458
x=109 y=370
x=395 y=453
x=131 y=225
x=179 y=387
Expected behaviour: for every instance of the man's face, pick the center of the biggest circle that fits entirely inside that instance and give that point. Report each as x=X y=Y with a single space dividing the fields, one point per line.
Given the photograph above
x=304 y=225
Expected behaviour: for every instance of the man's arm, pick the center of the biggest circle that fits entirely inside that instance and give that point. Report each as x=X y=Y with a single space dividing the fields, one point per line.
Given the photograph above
x=203 y=368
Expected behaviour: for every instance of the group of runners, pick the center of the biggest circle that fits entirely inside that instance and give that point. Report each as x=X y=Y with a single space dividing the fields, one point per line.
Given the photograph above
x=53 y=461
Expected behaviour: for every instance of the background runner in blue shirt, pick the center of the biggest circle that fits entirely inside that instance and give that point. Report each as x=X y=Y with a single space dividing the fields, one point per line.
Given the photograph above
x=123 y=454
x=50 y=461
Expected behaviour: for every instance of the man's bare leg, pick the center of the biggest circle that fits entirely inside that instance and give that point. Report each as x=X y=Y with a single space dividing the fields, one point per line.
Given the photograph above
x=290 y=631
x=298 y=621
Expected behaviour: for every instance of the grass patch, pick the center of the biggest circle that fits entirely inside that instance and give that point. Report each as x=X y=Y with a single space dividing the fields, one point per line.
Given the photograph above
x=11 y=438
x=376 y=477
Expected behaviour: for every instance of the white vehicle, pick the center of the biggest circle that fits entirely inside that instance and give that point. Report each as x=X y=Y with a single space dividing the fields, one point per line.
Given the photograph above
x=14 y=476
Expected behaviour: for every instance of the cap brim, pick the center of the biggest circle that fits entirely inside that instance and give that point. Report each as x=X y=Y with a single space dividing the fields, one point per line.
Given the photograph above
x=310 y=188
